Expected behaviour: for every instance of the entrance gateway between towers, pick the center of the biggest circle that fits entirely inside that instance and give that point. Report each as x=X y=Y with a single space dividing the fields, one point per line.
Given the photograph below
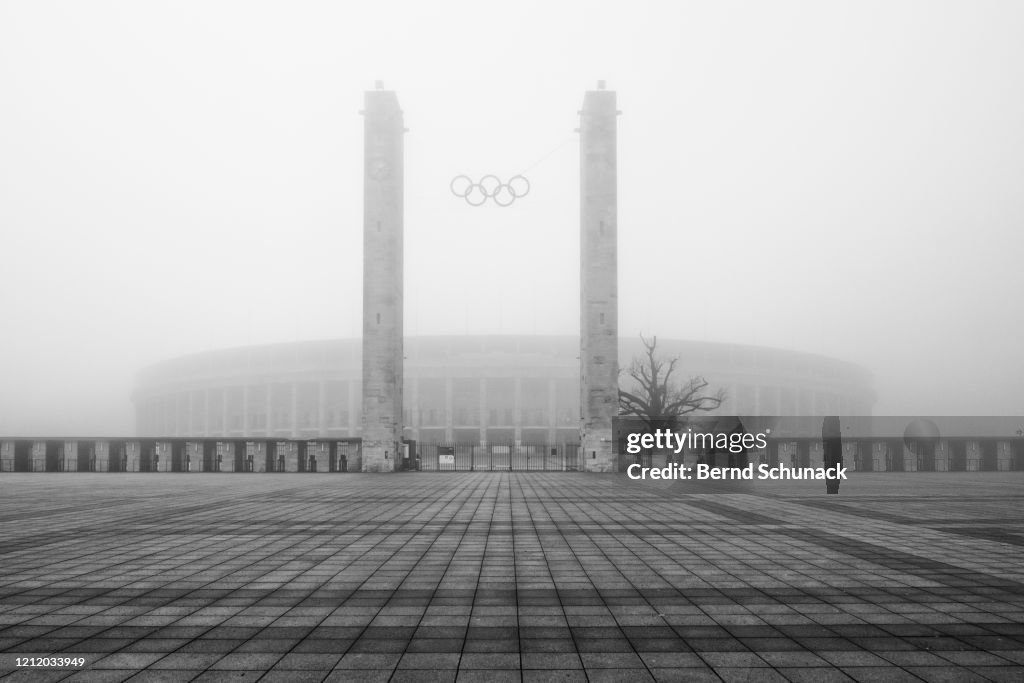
x=383 y=447
x=494 y=458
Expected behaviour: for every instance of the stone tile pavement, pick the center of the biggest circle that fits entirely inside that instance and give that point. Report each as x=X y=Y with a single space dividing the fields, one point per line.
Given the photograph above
x=532 y=577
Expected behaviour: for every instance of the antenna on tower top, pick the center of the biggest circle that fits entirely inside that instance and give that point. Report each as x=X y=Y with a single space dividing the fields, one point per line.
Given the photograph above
x=600 y=85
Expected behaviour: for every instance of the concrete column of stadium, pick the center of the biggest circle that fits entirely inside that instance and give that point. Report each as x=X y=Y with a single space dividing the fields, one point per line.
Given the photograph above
x=517 y=410
x=552 y=411
x=482 y=408
x=246 y=424
x=258 y=450
x=382 y=281
x=353 y=415
x=321 y=408
x=101 y=453
x=69 y=455
x=293 y=427
x=599 y=333
x=415 y=417
x=1004 y=456
x=449 y=409
x=225 y=455
x=225 y=422
x=268 y=425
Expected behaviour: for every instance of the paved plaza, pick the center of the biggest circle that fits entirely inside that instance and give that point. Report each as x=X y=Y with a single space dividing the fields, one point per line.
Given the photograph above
x=508 y=576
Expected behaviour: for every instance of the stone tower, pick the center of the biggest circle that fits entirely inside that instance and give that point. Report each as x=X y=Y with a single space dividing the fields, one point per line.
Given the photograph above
x=599 y=308
x=382 y=281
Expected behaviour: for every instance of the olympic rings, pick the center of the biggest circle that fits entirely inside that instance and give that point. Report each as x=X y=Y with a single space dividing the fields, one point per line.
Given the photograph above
x=490 y=187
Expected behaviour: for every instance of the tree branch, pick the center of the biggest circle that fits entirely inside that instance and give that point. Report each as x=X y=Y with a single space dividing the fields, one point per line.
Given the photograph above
x=656 y=399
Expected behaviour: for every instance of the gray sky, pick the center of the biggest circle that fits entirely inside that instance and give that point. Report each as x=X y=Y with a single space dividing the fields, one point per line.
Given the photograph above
x=841 y=178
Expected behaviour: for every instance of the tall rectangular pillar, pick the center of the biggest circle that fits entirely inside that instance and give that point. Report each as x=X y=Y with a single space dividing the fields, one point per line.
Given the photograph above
x=269 y=431
x=225 y=457
x=552 y=415
x=517 y=412
x=163 y=456
x=132 y=456
x=449 y=410
x=225 y=421
x=246 y=424
x=599 y=310
x=70 y=457
x=293 y=427
x=6 y=456
x=382 y=281
x=355 y=417
x=321 y=409
x=258 y=451
x=415 y=416
x=290 y=451
x=193 y=456
x=101 y=456
x=482 y=410
x=38 y=456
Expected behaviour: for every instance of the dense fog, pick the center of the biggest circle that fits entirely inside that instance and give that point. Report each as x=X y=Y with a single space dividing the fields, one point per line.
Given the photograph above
x=836 y=178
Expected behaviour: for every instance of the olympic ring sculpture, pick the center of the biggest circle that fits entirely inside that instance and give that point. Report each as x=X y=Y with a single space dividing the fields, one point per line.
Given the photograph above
x=490 y=187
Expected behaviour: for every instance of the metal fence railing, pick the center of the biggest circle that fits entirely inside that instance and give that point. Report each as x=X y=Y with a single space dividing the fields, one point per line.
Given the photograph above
x=451 y=457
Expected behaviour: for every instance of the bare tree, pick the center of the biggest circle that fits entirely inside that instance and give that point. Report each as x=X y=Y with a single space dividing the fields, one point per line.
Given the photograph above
x=656 y=399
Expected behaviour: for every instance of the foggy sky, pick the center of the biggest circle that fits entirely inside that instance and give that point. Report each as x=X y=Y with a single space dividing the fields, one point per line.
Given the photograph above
x=838 y=178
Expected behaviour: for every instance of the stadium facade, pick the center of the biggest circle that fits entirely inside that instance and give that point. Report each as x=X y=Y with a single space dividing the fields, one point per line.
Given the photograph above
x=462 y=389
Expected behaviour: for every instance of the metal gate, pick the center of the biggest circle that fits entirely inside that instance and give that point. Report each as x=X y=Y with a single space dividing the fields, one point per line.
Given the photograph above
x=451 y=457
